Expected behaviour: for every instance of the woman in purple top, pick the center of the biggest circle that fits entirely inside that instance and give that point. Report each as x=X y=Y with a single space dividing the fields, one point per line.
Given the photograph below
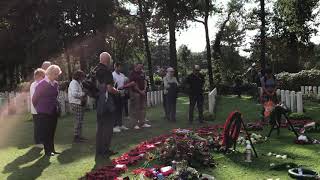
x=46 y=104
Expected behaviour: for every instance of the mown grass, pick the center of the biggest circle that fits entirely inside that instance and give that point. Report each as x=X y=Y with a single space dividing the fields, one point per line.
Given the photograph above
x=20 y=160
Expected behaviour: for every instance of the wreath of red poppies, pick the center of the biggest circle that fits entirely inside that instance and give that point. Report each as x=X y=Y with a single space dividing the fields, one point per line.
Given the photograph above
x=232 y=129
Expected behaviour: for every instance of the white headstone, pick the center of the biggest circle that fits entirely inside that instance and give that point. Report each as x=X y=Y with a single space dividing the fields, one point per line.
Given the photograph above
x=314 y=89
x=318 y=90
x=302 y=90
x=293 y=101
x=306 y=90
x=278 y=92
x=153 y=101
x=210 y=99
x=149 y=102
x=283 y=96
x=287 y=93
x=299 y=103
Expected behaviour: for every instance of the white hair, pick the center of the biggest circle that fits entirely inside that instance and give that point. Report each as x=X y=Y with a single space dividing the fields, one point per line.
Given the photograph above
x=105 y=58
x=45 y=65
x=170 y=69
x=53 y=70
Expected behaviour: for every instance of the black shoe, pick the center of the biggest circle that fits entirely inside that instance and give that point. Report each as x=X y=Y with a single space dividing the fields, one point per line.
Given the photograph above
x=55 y=152
x=202 y=122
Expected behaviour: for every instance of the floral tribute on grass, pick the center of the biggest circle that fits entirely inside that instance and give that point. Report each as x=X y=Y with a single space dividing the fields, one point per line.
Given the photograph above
x=177 y=154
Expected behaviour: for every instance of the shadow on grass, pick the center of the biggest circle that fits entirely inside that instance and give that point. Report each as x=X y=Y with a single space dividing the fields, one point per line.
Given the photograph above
x=30 y=156
x=31 y=172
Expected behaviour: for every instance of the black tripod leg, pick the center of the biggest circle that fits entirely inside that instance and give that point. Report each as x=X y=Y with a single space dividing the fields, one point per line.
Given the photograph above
x=290 y=124
x=249 y=137
x=272 y=128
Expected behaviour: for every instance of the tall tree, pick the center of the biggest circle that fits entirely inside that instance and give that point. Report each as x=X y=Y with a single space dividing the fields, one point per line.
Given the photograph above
x=142 y=18
x=171 y=6
x=170 y=16
x=293 y=23
x=203 y=9
x=262 y=34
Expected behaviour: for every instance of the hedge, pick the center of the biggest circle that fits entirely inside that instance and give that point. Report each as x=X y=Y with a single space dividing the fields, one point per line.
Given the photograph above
x=294 y=81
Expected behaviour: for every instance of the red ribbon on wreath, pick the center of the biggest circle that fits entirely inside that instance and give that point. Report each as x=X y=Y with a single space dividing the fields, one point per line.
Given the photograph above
x=231 y=128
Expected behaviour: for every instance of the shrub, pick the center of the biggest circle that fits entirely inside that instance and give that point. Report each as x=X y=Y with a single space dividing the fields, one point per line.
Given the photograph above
x=299 y=116
x=294 y=81
x=157 y=80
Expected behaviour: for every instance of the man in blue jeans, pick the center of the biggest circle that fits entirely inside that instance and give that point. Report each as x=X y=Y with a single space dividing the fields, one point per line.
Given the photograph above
x=195 y=84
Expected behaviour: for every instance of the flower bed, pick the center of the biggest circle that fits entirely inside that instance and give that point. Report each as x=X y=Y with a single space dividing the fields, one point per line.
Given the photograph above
x=182 y=146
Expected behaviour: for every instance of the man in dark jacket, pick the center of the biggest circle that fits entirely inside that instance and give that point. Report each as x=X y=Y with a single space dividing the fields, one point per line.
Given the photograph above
x=105 y=106
x=195 y=84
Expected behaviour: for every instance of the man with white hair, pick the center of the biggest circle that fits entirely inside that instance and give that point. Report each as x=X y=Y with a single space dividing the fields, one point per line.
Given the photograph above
x=105 y=106
x=45 y=65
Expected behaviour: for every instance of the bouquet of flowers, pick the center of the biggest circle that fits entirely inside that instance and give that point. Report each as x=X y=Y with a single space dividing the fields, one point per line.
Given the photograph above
x=189 y=147
x=184 y=172
x=255 y=138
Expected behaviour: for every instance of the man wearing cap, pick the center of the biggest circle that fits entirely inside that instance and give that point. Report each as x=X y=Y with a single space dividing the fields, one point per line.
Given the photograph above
x=195 y=84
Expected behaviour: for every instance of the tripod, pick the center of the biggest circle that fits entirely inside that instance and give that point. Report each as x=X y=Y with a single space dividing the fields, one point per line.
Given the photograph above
x=275 y=120
x=232 y=129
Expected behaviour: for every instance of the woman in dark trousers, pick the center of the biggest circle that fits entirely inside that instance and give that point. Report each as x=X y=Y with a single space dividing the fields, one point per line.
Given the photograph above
x=46 y=104
x=170 y=90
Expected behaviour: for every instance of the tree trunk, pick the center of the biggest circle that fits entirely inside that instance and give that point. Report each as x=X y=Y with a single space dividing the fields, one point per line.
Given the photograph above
x=83 y=62
x=68 y=64
x=209 y=62
x=263 y=35
x=172 y=35
x=146 y=43
x=293 y=57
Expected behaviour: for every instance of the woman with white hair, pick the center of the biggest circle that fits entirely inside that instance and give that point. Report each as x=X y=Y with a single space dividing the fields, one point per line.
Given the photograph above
x=46 y=104
x=171 y=91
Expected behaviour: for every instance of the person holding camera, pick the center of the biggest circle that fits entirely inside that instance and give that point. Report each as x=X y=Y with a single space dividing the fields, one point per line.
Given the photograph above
x=77 y=99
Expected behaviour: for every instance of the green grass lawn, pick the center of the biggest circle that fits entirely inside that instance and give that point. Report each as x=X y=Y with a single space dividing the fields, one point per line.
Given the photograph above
x=20 y=160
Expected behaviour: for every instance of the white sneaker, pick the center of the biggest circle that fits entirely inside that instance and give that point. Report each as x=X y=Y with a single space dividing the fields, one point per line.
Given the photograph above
x=137 y=127
x=123 y=128
x=116 y=129
x=146 y=120
x=146 y=126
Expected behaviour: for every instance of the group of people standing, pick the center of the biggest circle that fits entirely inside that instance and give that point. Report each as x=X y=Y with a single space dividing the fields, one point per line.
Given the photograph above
x=114 y=91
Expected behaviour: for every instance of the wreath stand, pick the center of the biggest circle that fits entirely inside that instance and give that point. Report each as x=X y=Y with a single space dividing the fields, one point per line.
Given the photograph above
x=232 y=129
x=275 y=120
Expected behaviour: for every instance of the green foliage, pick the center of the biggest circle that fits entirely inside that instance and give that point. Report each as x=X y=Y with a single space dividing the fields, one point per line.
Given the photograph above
x=299 y=116
x=157 y=79
x=294 y=81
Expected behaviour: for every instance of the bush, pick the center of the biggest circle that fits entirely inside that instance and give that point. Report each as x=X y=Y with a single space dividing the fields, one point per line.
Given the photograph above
x=299 y=116
x=157 y=80
x=294 y=81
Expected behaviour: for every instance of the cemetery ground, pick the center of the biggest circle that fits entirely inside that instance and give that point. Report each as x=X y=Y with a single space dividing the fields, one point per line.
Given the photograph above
x=20 y=160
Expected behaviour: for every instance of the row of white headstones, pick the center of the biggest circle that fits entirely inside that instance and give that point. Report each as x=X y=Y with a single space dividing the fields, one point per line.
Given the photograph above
x=292 y=99
x=22 y=101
